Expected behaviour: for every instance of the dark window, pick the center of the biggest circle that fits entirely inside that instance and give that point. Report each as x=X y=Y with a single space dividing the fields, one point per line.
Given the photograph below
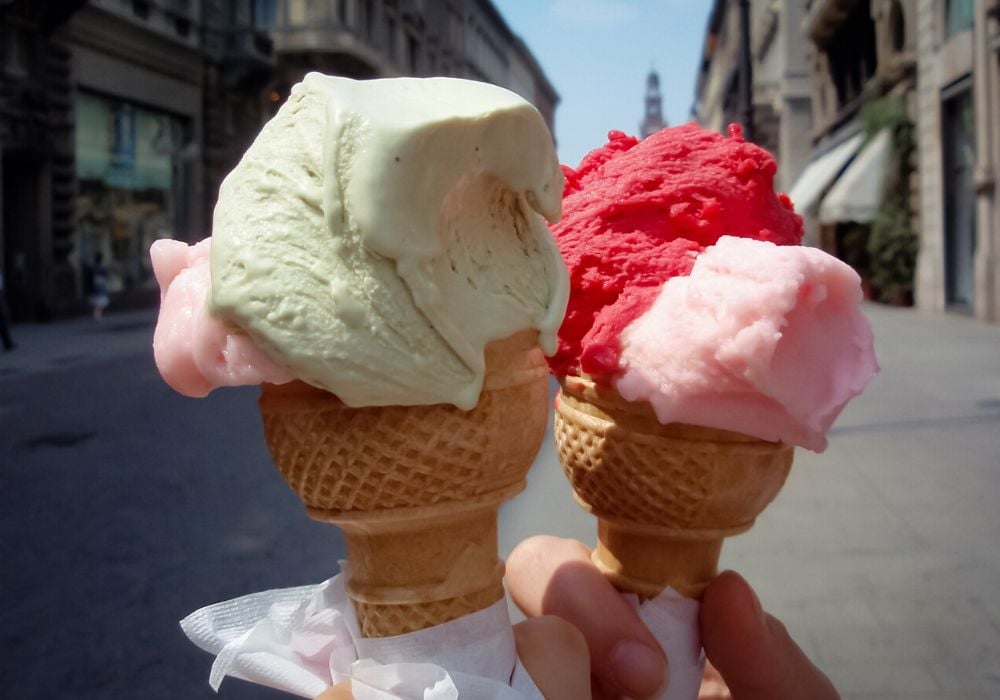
x=342 y=11
x=390 y=37
x=897 y=26
x=851 y=53
x=140 y=8
x=413 y=53
x=183 y=26
x=369 y=19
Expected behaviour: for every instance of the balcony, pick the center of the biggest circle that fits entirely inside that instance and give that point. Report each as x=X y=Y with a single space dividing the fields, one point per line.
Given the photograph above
x=355 y=43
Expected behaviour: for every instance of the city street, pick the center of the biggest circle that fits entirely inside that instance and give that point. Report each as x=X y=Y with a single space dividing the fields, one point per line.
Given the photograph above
x=124 y=506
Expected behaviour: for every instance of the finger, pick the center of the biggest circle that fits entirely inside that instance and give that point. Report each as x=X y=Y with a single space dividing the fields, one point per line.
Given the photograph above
x=338 y=691
x=553 y=576
x=752 y=650
x=713 y=687
x=555 y=655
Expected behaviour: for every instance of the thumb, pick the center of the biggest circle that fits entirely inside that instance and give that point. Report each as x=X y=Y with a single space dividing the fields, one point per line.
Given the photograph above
x=752 y=650
x=339 y=691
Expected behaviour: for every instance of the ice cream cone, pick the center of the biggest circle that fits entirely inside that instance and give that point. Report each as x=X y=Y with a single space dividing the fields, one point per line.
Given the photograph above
x=415 y=488
x=665 y=495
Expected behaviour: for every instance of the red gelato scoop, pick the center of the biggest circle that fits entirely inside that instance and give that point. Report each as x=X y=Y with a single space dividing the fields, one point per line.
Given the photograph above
x=636 y=213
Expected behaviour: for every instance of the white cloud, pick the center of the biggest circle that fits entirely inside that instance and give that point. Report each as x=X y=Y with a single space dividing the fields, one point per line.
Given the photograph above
x=595 y=13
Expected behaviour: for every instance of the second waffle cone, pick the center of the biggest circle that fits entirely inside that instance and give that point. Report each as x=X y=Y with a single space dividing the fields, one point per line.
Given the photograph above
x=665 y=495
x=415 y=488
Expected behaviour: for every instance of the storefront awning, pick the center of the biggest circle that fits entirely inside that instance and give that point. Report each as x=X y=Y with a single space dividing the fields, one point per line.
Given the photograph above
x=807 y=190
x=857 y=194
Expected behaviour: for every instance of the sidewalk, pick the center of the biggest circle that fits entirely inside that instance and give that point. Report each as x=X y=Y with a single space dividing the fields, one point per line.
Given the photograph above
x=881 y=554
x=76 y=343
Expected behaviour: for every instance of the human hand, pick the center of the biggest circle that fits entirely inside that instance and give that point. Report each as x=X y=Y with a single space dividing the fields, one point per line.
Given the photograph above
x=338 y=691
x=751 y=650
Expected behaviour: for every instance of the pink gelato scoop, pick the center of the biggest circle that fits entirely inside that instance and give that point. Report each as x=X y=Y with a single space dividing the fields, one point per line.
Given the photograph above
x=194 y=351
x=760 y=339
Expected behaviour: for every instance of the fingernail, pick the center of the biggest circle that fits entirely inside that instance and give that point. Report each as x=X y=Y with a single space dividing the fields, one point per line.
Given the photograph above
x=638 y=670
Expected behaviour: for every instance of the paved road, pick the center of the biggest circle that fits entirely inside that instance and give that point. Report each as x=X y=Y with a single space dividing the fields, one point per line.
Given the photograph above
x=124 y=506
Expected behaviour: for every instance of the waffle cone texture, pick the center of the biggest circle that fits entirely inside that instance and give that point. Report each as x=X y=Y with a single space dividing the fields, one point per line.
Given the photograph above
x=665 y=495
x=415 y=488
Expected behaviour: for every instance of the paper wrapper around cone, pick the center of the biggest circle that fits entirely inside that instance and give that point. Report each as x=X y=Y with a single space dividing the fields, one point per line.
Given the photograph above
x=665 y=495
x=415 y=488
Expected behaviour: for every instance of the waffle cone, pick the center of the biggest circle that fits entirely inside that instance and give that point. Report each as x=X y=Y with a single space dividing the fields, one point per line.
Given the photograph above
x=665 y=495
x=415 y=489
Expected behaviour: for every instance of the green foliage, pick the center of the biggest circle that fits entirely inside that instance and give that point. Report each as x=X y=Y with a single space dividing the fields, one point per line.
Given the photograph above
x=892 y=244
x=892 y=247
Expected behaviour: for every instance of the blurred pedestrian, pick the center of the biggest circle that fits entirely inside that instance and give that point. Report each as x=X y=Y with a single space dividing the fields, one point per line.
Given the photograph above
x=99 y=286
x=8 y=342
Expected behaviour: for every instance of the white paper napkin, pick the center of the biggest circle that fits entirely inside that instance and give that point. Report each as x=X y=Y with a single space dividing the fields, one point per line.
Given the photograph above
x=303 y=640
x=673 y=620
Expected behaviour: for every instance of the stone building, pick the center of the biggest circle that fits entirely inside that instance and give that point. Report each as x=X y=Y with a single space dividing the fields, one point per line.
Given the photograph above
x=906 y=128
x=119 y=118
x=781 y=98
x=36 y=155
x=958 y=121
x=858 y=193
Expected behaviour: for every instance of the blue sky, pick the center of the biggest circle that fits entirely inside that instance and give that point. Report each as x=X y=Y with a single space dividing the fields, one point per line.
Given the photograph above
x=597 y=54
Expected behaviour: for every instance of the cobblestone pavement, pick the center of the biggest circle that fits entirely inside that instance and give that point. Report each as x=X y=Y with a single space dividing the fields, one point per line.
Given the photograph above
x=124 y=506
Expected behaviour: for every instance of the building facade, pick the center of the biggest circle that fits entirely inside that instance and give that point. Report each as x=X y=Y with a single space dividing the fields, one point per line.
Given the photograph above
x=859 y=194
x=120 y=118
x=781 y=97
x=906 y=104
x=959 y=151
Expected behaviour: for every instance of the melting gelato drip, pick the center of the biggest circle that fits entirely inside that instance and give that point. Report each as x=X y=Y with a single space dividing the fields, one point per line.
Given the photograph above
x=378 y=234
x=194 y=351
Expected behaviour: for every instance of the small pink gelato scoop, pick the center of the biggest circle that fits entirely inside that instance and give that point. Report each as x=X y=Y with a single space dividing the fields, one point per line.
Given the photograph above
x=760 y=339
x=194 y=351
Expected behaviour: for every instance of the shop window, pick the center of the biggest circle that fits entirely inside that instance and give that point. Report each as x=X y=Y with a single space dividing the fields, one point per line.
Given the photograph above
x=958 y=16
x=131 y=186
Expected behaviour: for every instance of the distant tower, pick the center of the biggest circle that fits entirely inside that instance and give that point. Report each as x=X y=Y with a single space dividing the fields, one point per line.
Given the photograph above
x=653 y=121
